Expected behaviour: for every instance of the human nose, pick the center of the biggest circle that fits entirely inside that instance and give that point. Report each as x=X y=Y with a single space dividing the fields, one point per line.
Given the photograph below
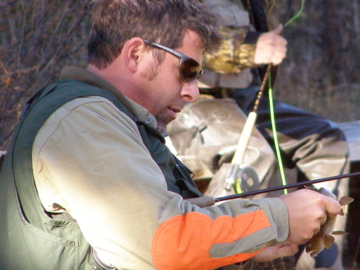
x=190 y=92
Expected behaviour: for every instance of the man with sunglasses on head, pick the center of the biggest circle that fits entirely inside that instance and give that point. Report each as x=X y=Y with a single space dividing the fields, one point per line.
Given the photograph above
x=206 y=133
x=88 y=182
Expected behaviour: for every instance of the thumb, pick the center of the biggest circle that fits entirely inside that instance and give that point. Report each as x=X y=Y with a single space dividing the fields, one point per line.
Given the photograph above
x=288 y=250
x=332 y=207
x=278 y=29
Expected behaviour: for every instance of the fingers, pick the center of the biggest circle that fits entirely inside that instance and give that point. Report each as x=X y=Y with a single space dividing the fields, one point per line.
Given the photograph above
x=332 y=207
x=288 y=250
x=312 y=207
x=323 y=220
x=271 y=47
x=278 y=57
x=276 y=251
x=279 y=49
x=278 y=29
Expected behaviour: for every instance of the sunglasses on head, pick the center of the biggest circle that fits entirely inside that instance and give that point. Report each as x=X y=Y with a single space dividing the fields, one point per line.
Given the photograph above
x=189 y=69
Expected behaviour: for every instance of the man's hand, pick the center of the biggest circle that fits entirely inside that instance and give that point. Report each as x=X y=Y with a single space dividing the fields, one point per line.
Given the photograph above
x=273 y=252
x=308 y=210
x=271 y=47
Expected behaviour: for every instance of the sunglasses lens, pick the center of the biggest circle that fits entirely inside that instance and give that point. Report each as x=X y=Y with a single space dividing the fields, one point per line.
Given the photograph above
x=190 y=70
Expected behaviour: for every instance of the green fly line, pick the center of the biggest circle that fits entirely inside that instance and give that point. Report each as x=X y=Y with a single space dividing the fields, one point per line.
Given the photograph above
x=272 y=112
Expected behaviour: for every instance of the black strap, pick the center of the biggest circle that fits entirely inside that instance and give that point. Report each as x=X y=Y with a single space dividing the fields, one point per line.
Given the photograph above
x=258 y=15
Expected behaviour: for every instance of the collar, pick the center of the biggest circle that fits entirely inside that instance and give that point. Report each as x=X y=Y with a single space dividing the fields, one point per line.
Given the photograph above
x=80 y=74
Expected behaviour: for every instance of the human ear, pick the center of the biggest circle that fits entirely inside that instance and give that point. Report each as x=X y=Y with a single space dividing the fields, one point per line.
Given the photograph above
x=133 y=51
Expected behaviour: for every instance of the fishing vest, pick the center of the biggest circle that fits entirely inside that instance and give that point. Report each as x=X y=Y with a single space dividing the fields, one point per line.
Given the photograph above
x=32 y=238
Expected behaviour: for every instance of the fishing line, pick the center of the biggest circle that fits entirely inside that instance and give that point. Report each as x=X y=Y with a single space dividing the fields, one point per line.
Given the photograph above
x=276 y=141
x=271 y=106
x=297 y=15
x=232 y=180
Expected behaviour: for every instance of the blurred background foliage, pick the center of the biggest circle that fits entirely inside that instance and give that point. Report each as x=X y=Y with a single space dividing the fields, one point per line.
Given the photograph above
x=37 y=39
x=320 y=74
x=321 y=71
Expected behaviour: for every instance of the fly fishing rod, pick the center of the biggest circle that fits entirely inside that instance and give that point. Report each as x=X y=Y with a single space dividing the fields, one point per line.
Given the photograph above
x=300 y=184
x=232 y=181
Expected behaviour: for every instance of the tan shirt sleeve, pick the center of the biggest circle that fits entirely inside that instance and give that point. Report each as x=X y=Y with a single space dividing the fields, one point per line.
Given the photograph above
x=89 y=160
x=230 y=66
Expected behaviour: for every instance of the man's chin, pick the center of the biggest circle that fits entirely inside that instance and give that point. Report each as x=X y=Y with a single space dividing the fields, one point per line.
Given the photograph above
x=163 y=121
x=161 y=128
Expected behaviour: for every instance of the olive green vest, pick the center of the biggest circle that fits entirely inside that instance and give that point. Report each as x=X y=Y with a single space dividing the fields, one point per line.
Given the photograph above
x=31 y=238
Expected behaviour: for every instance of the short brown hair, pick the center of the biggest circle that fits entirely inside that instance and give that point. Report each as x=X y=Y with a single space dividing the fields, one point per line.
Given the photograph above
x=164 y=21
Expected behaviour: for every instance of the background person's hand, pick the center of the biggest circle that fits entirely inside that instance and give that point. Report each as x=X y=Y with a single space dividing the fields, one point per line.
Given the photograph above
x=307 y=211
x=271 y=47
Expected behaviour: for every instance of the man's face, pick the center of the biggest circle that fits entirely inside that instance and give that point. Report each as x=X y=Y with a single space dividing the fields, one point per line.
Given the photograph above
x=166 y=93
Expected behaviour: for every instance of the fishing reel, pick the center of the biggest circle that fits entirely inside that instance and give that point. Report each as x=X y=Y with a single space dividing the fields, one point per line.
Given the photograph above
x=242 y=180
